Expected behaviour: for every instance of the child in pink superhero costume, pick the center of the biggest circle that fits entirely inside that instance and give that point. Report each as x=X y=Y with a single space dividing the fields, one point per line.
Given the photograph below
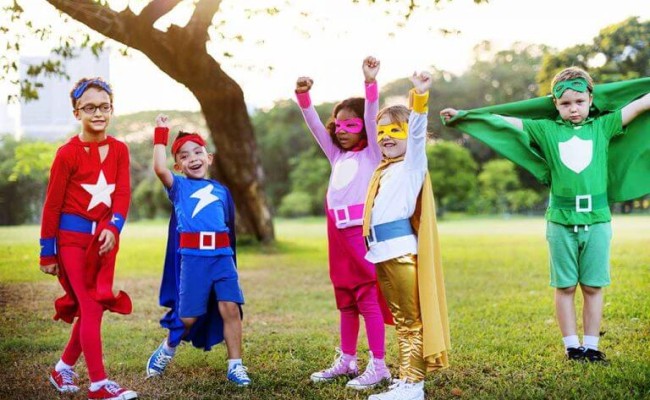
x=349 y=142
x=85 y=208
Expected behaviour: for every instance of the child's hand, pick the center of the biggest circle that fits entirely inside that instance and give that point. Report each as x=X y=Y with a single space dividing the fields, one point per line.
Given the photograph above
x=421 y=82
x=448 y=113
x=162 y=121
x=109 y=241
x=303 y=84
x=52 y=269
x=370 y=68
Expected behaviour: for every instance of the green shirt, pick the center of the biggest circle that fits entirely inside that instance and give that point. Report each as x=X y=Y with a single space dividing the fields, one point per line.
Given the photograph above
x=577 y=157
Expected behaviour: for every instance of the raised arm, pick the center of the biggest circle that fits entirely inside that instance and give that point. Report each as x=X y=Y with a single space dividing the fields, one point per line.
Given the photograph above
x=161 y=137
x=416 y=156
x=635 y=108
x=371 y=108
x=316 y=127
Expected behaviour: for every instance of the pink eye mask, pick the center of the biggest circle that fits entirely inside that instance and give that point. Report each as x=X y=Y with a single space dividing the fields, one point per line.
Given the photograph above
x=352 y=125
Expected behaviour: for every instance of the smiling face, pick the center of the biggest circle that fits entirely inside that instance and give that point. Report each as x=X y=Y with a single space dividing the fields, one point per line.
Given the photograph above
x=390 y=146
x=573 y=106
x=346 y=139
x=193 y=160
x=94 y=123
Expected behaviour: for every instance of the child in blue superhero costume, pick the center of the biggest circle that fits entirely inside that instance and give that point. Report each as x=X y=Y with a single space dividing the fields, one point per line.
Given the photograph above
x=200 y=281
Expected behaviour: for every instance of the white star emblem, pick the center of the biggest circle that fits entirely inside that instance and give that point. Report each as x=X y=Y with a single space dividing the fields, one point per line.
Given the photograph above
x=205 y=197
x=101 y=191
x=114 y=219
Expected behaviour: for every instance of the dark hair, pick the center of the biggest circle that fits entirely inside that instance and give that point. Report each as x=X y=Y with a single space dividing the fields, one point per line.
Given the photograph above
x=84 y=84
x=354 y=104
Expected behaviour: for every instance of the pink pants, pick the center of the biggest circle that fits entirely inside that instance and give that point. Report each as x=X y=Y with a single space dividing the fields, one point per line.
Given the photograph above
x=355 y=289
x=86 y=332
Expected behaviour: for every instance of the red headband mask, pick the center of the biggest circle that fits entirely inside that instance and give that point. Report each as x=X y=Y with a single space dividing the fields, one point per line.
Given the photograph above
x=351 y=125
x=179 y=142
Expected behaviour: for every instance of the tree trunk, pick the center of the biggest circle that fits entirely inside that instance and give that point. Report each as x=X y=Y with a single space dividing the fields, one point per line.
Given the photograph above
x=181 y=53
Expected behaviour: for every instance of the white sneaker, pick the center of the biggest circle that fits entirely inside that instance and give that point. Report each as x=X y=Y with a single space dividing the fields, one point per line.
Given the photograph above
x=401 y=390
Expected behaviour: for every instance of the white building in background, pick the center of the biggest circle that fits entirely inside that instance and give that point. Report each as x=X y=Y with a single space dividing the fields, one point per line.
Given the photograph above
x=7 y=122
x=50 y=117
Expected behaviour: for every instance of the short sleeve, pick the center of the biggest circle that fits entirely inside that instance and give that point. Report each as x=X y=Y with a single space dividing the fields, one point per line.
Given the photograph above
x=172 y=192
x=611 y=124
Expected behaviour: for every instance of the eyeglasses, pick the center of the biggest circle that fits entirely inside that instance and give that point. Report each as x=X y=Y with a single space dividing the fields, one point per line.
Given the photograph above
x=90 y=109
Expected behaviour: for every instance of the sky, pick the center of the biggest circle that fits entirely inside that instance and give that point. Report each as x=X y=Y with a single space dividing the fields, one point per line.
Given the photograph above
x=327 y=40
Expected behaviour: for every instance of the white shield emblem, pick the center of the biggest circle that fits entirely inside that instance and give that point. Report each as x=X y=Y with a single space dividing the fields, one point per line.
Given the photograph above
x=576 y=153
x=344 y=172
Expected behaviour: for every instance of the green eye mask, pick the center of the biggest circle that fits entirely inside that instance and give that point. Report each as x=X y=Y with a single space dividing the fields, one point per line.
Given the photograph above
x=577 y=84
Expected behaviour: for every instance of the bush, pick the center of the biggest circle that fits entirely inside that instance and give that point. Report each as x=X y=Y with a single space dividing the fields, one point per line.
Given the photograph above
x=296 y=204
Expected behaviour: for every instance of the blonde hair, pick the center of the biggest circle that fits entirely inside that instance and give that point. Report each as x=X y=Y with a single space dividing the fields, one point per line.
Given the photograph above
x=397 y=114
x=573 y=73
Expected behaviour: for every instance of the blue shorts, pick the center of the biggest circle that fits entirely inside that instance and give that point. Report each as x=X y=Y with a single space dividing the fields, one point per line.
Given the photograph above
x=203 y=276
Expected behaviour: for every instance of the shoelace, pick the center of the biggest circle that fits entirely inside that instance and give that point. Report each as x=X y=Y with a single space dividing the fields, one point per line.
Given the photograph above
x=67 y=376
x=240 y=372
x=161 y=360
x=370 y=371
x=338 y=362
x=112 y=387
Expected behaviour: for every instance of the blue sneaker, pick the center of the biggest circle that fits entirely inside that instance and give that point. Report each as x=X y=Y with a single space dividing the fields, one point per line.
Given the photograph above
x=239 y=376
x=158 y=361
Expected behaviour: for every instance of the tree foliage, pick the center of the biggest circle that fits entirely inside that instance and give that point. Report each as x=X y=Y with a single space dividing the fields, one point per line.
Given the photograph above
x=453 y=175
x=620 y=51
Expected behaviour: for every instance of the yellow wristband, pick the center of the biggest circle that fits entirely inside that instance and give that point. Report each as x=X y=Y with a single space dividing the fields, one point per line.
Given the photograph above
x=418 y=102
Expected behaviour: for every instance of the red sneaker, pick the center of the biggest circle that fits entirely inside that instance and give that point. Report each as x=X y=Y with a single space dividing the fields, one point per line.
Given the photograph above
x=111 y=391
x=64 y=381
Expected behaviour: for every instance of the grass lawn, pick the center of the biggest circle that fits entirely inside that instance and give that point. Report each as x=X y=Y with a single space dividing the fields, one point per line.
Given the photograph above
x=505 y=341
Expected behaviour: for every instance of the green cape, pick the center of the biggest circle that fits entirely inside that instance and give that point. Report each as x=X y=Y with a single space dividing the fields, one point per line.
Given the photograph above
x=629 y=154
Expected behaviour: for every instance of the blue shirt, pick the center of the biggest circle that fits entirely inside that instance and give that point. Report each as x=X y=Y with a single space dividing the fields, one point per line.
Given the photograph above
x=199 y=205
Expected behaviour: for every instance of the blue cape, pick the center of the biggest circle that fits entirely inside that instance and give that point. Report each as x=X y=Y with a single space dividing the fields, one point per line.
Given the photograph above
x=208 y=329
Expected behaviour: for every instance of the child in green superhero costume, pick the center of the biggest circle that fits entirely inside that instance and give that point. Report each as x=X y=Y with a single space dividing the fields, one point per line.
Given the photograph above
x=571 y=152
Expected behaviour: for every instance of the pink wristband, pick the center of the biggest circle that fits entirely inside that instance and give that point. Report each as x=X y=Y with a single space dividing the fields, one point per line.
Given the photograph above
x=303 y=98
x=161 y=135
x=372 y=94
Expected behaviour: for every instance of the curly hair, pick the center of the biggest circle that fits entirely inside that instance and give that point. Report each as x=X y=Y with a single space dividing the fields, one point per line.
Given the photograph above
x=355 y=105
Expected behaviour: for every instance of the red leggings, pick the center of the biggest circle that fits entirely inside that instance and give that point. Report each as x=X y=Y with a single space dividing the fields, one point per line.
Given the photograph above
x=86 y=332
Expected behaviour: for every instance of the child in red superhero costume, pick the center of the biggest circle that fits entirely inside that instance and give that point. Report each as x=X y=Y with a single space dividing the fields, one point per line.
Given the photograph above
x=85 y=208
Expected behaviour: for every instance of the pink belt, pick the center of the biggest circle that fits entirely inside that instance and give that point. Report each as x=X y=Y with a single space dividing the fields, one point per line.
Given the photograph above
x=346 y=214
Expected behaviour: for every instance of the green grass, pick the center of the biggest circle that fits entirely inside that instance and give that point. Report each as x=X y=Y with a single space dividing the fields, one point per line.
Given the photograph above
x=505 y=341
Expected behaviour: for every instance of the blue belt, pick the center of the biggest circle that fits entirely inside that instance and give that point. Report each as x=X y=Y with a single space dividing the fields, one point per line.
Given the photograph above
x=75 y=223
x=389 y=230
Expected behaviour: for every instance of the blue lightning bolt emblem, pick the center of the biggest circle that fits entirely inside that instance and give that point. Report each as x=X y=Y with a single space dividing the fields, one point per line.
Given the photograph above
x=205 y=197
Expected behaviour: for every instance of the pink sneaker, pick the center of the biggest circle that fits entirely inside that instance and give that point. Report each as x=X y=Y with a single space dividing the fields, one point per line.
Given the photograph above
x=376 y=372
x=112 y=391
x=344 y=365
x=64 y=380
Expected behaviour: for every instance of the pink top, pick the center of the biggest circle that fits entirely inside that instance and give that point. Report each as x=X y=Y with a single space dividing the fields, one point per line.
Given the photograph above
x=351 y=170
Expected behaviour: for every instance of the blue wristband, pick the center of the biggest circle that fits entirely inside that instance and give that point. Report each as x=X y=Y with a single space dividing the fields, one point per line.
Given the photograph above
x=118 y=221
x=48 y=247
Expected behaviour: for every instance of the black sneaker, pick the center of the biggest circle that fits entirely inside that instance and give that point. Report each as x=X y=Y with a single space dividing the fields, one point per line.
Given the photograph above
x=595 y=356
x=575 y=353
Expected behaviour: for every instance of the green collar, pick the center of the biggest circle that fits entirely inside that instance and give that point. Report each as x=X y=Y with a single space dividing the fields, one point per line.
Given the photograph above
x=570 y=124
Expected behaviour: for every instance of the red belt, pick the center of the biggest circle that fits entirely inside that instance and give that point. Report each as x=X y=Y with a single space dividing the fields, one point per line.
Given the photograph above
x=204 y=240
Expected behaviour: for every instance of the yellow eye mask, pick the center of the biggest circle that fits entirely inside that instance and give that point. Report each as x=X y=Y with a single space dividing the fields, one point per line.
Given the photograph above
x=396 y=131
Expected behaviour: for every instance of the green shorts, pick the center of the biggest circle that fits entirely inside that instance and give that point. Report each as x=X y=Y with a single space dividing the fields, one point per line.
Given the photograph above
x=579 y=257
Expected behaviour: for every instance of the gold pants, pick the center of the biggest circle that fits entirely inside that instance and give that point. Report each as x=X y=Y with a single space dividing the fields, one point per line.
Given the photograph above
x=399 y=285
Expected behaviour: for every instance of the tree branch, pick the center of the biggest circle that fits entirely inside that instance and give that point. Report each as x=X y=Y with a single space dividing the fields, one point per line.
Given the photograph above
x=202 y=19
x=153 y=11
